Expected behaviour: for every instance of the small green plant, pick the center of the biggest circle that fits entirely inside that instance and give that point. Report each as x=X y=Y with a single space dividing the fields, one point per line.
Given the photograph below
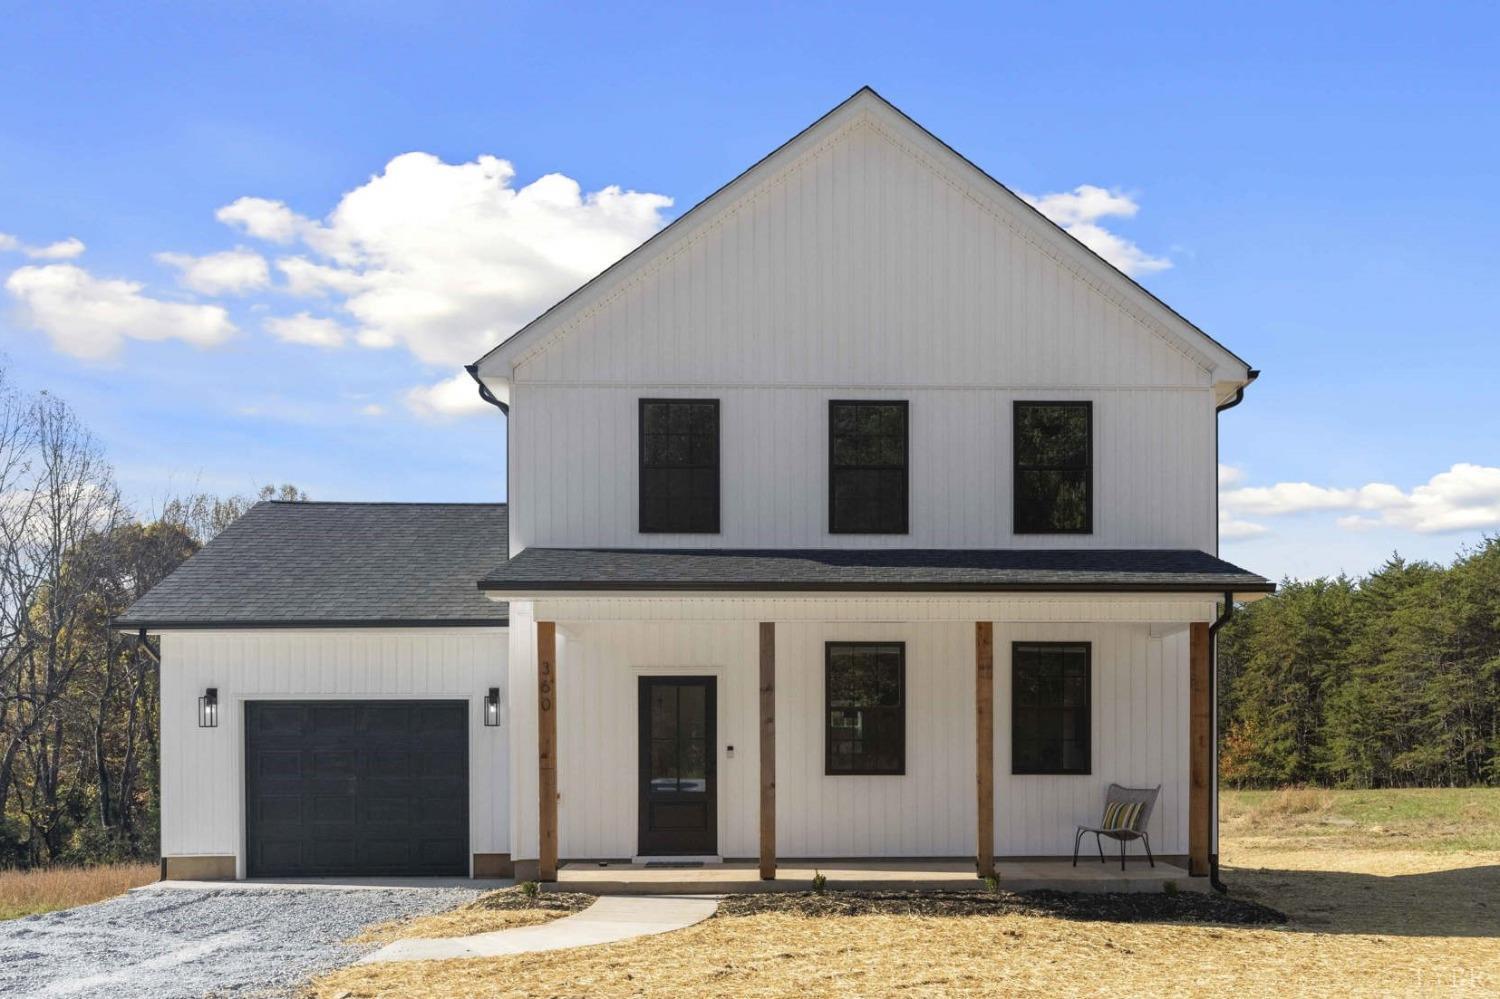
x=820 y=883
x=531 y=889
x=992 y=884
x=1170 y=887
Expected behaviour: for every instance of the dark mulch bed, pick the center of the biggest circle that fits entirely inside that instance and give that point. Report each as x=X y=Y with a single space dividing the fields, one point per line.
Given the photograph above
x=514 y=898
x=1115 y=907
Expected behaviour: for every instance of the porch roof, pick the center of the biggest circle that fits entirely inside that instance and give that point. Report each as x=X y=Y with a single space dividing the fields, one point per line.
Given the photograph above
x=933 y=570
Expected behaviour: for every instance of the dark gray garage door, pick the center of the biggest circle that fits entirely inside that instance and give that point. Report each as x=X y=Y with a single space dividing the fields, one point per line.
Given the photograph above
x=356 y=787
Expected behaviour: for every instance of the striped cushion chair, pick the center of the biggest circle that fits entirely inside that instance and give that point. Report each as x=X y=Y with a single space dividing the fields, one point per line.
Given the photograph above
x=1126 y=812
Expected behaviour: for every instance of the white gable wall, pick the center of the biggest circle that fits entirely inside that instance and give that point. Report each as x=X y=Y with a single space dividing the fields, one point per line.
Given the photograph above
x=866 y=269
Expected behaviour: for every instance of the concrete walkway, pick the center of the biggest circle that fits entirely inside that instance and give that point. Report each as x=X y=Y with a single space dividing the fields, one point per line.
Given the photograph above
x=609 y=919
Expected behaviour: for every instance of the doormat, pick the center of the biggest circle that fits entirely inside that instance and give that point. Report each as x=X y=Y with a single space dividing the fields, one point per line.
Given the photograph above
x=674 y=865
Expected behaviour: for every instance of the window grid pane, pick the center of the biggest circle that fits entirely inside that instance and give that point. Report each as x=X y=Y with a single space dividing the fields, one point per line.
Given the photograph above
x=1050 y=716
x=867 y=467
x=866 y=711
x=1053 y=482
x=679 y=480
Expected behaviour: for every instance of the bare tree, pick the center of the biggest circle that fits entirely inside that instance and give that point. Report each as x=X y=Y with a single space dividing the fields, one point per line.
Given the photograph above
x=67 y=507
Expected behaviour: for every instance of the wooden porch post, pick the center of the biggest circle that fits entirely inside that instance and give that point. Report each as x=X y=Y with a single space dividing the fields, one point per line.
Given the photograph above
x=546 y=674
x=768 y=751
x=1200 y=731
x=984 y=763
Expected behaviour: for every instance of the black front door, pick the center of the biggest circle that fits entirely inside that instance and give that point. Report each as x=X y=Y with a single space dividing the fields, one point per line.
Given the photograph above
x=679 y=749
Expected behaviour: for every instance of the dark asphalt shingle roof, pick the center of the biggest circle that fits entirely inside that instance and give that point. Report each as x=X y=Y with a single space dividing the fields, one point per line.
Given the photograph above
x=935 y=570
x=323 y=564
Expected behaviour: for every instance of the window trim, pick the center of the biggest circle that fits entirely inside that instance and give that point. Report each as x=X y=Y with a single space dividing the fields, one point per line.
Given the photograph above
x=640 y=467
x=1087 y=405
x=905 y=405
x=828 y=771
x=1088 y=710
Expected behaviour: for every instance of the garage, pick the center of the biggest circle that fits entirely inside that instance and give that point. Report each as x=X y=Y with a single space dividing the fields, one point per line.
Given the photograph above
x=339 y=788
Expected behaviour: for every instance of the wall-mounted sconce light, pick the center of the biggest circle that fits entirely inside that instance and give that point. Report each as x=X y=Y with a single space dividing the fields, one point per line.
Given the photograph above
x=492 y=707
x=208 y=708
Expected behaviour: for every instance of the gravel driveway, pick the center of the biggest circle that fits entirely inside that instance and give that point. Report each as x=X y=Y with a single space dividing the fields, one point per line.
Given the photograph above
x=166 y=943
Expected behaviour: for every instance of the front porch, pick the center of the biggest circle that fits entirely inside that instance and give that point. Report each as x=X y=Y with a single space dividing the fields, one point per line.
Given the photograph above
x=736 y=877
x=749 y=754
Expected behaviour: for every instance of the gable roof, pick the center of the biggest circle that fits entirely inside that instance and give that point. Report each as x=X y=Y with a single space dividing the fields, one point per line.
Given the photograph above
x=1126 y=293
x=336 y=565
x=937 y=570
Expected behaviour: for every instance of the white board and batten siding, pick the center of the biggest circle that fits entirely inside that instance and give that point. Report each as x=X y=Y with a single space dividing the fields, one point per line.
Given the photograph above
x=1139 y=732
x=203 y=784
x=865 y=268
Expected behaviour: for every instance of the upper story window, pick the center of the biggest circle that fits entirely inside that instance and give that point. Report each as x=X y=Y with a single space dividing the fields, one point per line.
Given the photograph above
x=867 y=456
x=865 y=688
x=1054 y=475
x=679 y=466
x=1049 y=708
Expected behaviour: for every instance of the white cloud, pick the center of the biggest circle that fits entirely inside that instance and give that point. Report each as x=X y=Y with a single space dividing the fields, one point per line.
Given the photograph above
x=1228 y=475
x=448 y=259
x=230 y=272
x=63 y=249
x=1232 y=528
x=451 y=397
x=91 y=317
x=372 y=409
x=1465 y=497
x=308 y=329
x=1078 y=212
x=262 y=218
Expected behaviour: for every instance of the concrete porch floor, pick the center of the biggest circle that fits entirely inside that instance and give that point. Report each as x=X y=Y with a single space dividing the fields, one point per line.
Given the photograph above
x=733 y=877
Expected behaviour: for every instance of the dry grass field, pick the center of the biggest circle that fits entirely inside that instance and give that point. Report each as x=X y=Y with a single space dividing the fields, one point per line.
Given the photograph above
x=24 y=893
x=1389 y=893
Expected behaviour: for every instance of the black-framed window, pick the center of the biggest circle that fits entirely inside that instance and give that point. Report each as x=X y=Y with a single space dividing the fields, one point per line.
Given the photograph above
x=1049 y=708
x=867 y=458
x=679 y=466
x=1054 y=470
x=865 y=690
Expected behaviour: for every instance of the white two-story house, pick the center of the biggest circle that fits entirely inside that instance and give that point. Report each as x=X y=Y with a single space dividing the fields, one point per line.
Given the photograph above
x=860 y=513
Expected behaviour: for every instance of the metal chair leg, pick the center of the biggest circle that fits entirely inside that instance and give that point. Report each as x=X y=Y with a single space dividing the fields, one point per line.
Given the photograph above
x=1146 y=839
x=1122 y=853
x=1077 y=838
x=1099 y=845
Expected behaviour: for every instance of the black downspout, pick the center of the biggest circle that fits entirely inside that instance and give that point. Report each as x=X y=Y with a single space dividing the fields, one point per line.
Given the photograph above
x=145 y=643
x=1213 y=702
x=1213 y=651
x=489 y=397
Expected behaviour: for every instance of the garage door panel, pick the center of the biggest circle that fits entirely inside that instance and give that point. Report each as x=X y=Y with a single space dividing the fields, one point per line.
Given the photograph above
x=357 y=787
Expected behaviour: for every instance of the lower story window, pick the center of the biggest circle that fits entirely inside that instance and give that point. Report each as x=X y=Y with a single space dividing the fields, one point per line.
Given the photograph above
x=865 y=684
x=1049 y=708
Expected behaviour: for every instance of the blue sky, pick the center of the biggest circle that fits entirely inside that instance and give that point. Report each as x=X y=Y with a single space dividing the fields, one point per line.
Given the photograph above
x=1319 y=177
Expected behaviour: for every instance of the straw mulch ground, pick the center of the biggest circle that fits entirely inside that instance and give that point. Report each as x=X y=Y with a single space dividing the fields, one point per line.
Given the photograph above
x=499 y=910
x=1416 y=913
